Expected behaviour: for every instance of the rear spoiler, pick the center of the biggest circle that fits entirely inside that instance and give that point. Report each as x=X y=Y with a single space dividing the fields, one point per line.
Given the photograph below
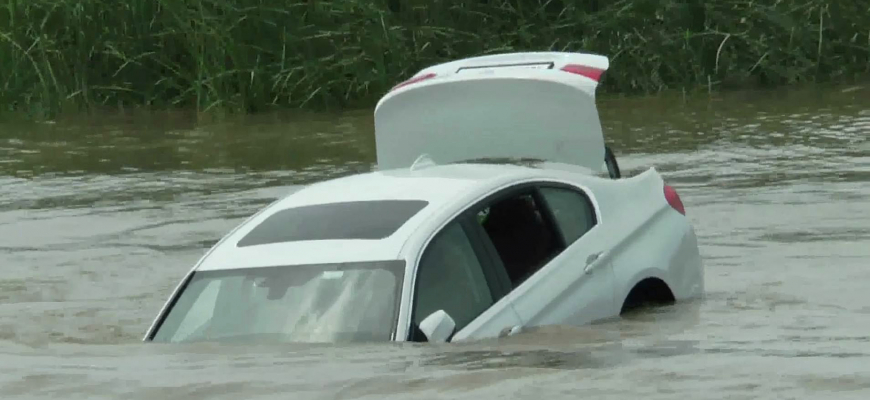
x=592 y=66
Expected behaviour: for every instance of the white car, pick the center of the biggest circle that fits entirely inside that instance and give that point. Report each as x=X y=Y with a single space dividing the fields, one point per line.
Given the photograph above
x=488 y=212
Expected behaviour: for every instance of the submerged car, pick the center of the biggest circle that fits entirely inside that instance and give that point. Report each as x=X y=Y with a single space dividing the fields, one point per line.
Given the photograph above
x=489 y=212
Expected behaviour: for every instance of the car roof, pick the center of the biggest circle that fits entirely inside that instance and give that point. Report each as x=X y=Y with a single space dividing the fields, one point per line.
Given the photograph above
x=438 y=185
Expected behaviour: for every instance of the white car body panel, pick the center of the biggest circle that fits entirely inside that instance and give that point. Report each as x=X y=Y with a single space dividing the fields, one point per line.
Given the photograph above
x=637 y=236
x=479 y=107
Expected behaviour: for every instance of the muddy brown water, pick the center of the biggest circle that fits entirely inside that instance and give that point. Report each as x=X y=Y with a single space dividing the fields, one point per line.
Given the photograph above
x=101 y=216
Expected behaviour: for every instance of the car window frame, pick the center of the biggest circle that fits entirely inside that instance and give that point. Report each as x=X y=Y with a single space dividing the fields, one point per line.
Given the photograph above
x=549 y=210
x=534 y=187
x=527 y=187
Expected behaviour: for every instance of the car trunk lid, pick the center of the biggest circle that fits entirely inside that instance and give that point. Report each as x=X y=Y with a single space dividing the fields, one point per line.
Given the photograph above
x=519 y=105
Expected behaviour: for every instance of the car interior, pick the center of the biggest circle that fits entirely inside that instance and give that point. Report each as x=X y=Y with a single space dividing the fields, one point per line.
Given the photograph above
x=523 y=238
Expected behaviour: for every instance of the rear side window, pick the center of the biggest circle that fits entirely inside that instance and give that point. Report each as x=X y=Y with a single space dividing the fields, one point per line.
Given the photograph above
x=376 y=219
x=572 y=210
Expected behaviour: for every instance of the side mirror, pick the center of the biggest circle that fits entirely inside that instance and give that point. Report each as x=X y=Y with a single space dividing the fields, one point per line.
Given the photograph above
x=438 y=327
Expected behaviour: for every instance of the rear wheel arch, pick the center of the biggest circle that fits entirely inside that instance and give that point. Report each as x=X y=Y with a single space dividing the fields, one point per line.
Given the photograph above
x=649 y=291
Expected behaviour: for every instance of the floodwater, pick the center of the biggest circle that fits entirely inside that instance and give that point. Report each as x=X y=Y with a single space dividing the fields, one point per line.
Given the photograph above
x=100 y=218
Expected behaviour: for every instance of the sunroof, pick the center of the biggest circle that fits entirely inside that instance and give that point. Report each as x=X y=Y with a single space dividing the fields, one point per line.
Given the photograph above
x=375 y=219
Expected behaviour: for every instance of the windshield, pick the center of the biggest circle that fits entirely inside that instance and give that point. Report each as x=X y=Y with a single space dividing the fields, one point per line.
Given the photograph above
x=310 y=303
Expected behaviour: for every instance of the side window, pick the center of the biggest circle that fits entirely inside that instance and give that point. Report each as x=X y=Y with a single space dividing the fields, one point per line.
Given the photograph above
x=451 y=277
x=572 y=210
x=521 y=234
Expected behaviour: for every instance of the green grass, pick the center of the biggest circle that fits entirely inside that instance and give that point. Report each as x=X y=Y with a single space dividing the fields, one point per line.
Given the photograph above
x=252 y=55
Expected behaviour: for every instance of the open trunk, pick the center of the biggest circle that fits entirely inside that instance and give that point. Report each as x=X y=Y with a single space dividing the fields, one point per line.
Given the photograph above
x=519 y=105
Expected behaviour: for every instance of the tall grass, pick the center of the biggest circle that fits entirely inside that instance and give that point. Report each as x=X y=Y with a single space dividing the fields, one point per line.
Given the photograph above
x=251 y=55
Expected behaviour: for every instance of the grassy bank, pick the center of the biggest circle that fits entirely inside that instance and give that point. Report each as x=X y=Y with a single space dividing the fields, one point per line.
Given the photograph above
x=251 y=55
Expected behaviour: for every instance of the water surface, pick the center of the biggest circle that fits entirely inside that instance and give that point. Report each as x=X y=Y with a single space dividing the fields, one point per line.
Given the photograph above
x=101 y=216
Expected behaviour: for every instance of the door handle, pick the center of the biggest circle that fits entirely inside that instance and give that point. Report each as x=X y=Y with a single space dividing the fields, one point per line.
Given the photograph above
x=590 y=261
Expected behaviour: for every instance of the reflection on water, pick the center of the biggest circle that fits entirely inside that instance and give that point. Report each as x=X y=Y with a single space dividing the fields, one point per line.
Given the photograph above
x=101 y=217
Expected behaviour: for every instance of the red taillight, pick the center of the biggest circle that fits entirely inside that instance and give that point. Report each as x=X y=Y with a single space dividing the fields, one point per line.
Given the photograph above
x=589 y=72
x=674 y=199
x=414 y=80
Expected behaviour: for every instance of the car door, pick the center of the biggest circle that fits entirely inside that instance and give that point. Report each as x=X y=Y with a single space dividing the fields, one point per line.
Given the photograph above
x=560 y=272
x=456 y=275
x=577 y=286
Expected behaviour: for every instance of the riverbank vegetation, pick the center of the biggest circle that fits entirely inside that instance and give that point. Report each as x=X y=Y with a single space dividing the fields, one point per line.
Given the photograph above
x=252 y=55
